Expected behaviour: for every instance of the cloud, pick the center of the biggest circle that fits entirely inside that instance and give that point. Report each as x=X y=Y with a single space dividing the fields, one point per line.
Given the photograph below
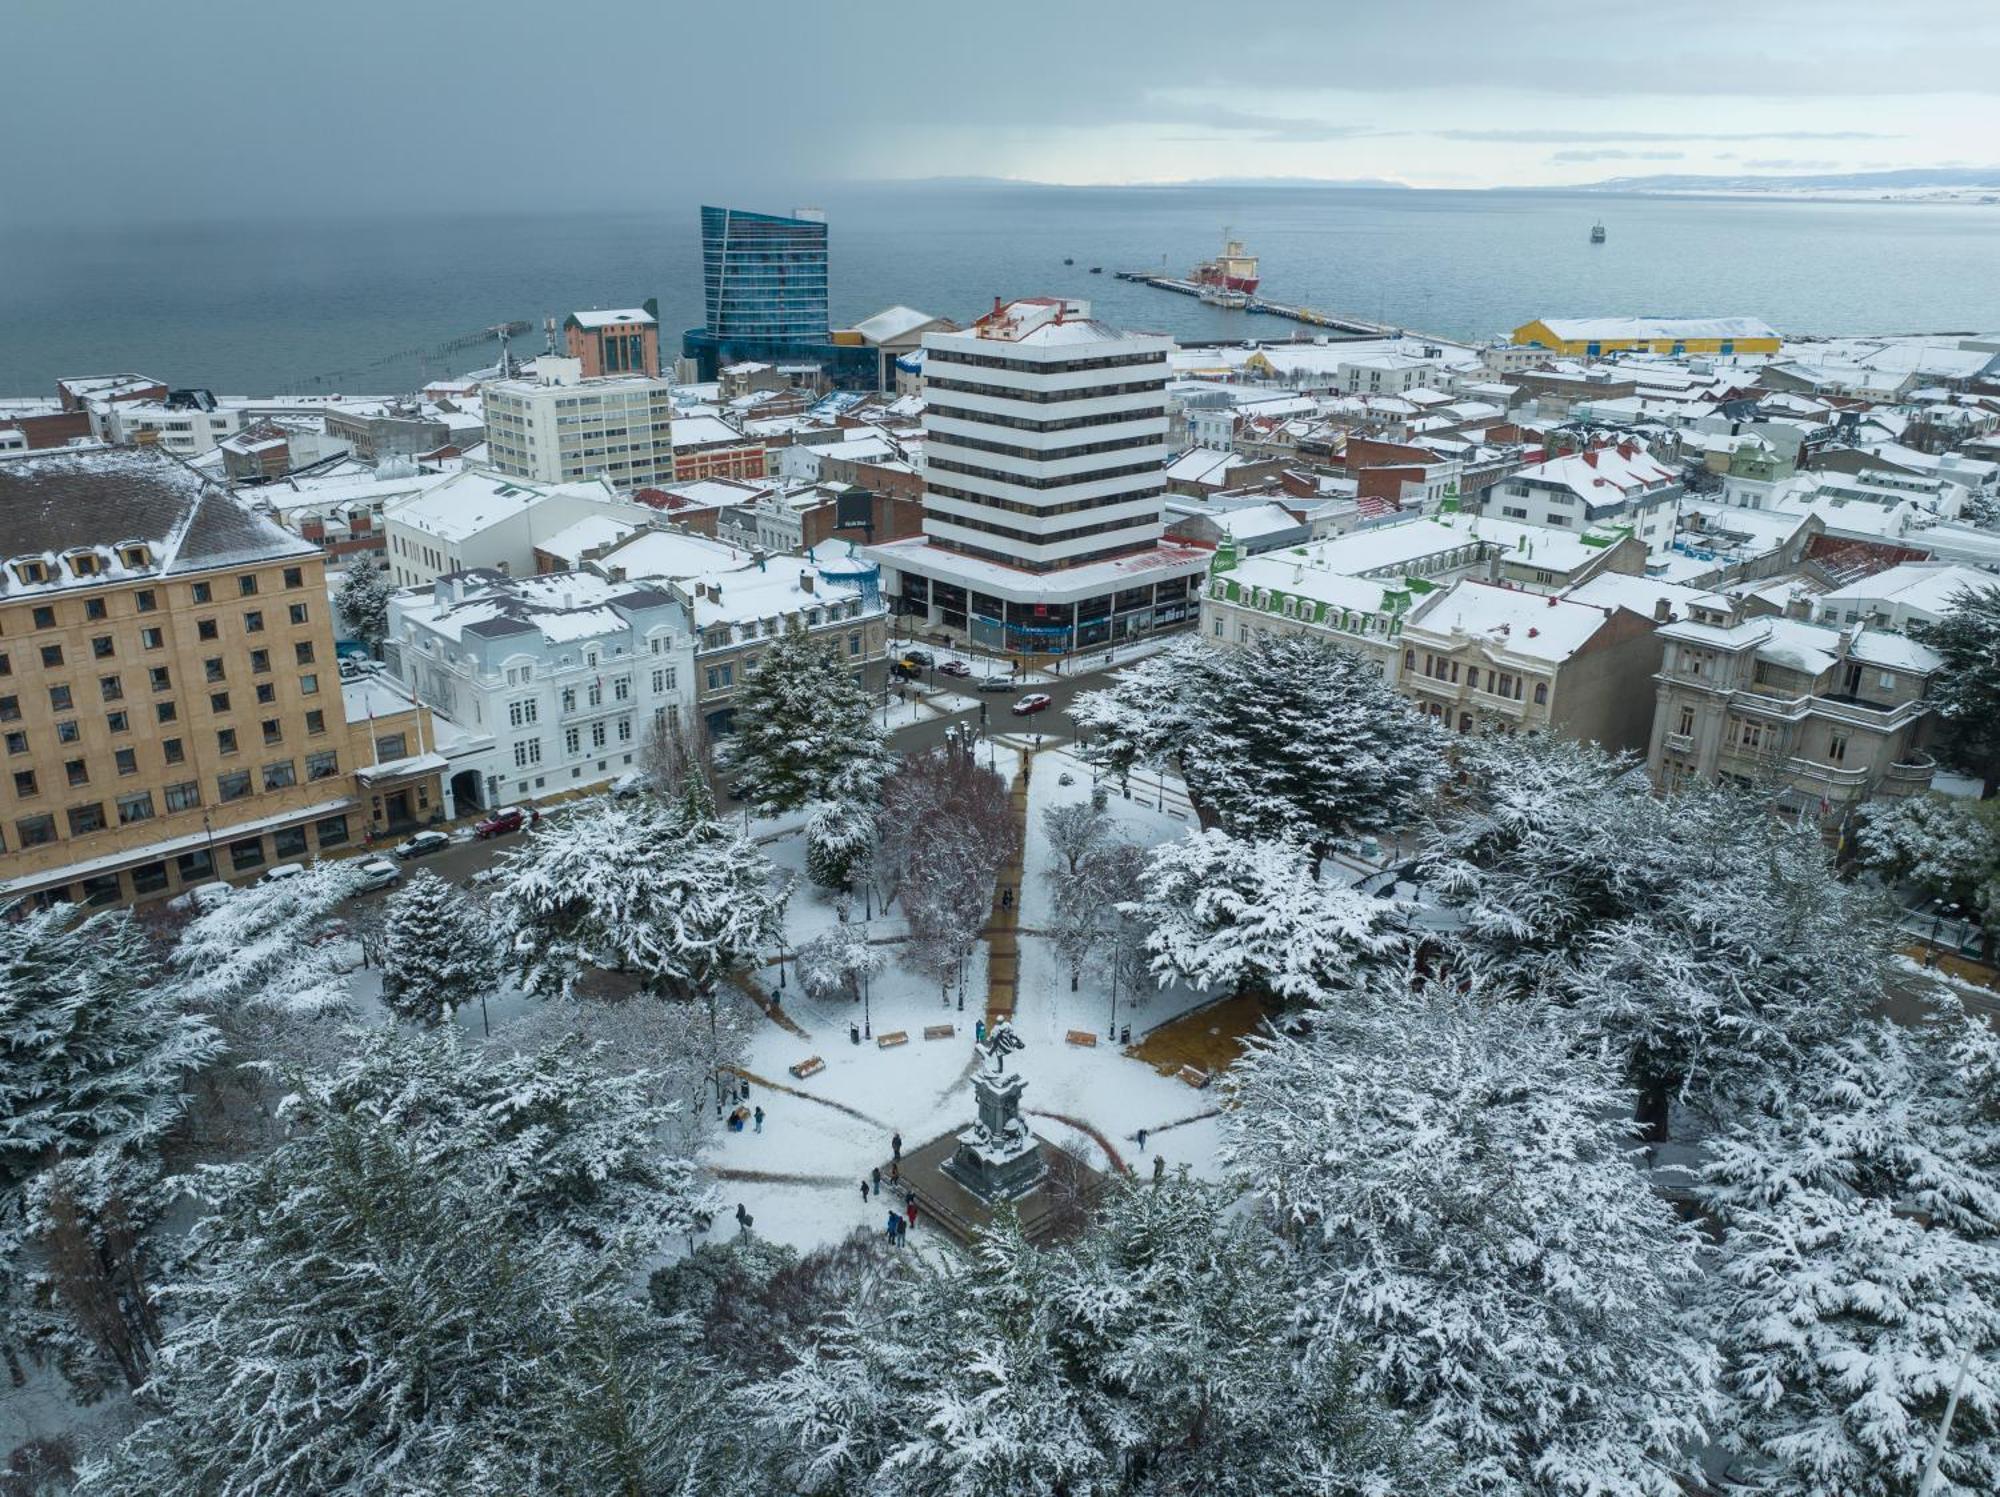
x=1793 y=164
x=1601 y=137
x=1617 y=155
x=1260 y=126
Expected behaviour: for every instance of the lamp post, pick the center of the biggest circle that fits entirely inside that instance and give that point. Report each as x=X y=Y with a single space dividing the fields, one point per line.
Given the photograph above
x=867 y=1030
x=1117 y=949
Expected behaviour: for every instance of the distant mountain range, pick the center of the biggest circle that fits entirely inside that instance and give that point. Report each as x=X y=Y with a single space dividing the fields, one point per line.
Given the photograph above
x=1902 y=180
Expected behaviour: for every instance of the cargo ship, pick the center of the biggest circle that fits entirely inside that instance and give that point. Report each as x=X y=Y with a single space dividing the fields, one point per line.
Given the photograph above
x=1232 y=269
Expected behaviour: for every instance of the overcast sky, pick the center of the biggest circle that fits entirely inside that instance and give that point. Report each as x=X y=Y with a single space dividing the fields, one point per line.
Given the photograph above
x=223 y=108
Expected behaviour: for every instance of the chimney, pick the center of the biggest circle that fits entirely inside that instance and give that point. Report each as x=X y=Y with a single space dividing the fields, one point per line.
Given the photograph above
x=1663 y=612
x=805 y=579
x=1553 y=600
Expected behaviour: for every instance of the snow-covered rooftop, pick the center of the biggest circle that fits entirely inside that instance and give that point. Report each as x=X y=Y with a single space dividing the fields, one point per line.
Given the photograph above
x=473 y=499
x=598 y=317
x=892 y=322
x=1535 y=625
x=1615 y=329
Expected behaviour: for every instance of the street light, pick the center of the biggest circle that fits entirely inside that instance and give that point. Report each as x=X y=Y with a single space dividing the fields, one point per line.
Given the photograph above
x=1117 y=950
x=867 y=1031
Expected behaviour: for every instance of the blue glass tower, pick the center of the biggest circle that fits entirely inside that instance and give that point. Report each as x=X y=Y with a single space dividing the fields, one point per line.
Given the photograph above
x=763 y=276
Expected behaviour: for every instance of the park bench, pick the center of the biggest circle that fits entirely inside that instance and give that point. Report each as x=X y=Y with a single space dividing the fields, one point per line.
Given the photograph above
x=891 y=1041
x=940 y=1031
x=1083 y=1038
x=1194 y=1076
x=807 y=1068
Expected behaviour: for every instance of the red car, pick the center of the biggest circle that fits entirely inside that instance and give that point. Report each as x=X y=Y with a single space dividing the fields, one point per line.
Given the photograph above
x=506 y=819
x=1032 y=703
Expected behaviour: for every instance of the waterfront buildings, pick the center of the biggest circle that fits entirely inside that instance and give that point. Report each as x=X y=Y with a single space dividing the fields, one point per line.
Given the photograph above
x=550 y=683
x=478 y=518
x=1044 y=439
x=1827 y=717
x=1588 y=337
x=1623 y=483
x=557 y=426
x=621 y=340
x=169 y=698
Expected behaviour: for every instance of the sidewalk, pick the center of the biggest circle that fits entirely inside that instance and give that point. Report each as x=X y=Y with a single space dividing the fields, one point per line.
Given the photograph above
x=1003 y=946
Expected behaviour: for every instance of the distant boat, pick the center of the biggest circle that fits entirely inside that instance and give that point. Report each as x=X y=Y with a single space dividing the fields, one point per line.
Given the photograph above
x=1068 y=261
x=1233 y=270
x=1097 y=270
x=1597 y=233
x=1223 y=296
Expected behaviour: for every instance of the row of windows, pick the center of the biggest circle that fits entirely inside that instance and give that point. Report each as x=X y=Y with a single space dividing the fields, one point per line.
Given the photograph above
x=125 y=761
x=105 y=646
x=1034 y=564
x=198 y=866
x=1052 y=538
x=62 y=696
x=1021 y=480
x=143 y=805
x=1021 y=507
x=1037 y=397
x=1498 y=683
x=1029 y=423
x=935 y=356
x=146 y=599
x=1038 y=454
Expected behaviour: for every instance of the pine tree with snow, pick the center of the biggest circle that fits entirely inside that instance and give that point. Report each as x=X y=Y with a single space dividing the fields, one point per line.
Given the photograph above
x=803 y=730
x=263 y=947
x=1157 y=704
x=1152 y=1357
x=437 y=952
x=1966 y=689
x=1470 y=1212
x=364 y=602
x=1859 y=1274
x=840 y=835
x=95 y=1049
x=832 y=965
x=1942 y=844
x=1219 y=910
x=428 y=1288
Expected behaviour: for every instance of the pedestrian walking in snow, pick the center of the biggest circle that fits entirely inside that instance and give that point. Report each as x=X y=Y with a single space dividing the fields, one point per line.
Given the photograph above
x=759 y=1116
x=1007 y=899
x=864 y=1192
x=911 y=1209
x=742 y=1218
x=1142 y=1140
x=895 y=1171
x=1159 y=1168
x=876 y=1175
x=895 y=1221
x=896 y=1146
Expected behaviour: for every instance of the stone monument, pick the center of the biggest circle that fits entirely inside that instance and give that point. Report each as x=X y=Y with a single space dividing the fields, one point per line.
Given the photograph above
x=997 y=1159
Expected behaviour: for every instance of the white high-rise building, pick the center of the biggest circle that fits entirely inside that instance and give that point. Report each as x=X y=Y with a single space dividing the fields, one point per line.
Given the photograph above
x=1045 y=440
x=558 y=426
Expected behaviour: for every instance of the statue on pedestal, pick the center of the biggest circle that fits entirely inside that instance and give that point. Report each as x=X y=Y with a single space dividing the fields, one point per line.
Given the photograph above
x=998 y=1158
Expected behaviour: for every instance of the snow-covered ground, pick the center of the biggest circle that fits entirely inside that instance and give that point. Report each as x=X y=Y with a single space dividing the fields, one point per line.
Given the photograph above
x=800 y=1178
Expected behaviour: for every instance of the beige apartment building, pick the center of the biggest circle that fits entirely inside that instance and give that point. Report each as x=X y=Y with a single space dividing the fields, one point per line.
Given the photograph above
x=1828 y=717
x=171 y=710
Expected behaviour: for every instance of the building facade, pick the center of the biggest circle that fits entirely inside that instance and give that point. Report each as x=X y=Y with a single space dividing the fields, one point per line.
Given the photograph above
x=559 y=427
x=1044 y=443
x=549 y=684
x=169 y=699
x=763 y=275
x=622 y=340
x=477 y=518
x=1589 y=337
x=1601 y=486
x=1825 y=717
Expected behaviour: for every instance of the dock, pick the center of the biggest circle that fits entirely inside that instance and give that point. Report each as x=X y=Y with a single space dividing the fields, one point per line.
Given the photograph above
x=1335 y=322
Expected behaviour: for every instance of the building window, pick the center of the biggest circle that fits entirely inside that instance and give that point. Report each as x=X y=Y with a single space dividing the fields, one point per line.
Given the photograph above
x=160 y=678
x=212 y=669
x=572 y=741
x=24 y=784
x=246 y=585
x=1686 y=729
x=33 y=831
x=526 y=752
x=205 y=629
x=297 y=613
x=151 y=639
x=624 y=730
x=17 y=743
x=83 y=820
x=315 y=723
x=201 y=592
x=594 y=696
x=392 y=746
x=247 y=854
x=60 y=699
x=521 y=712
x=52 y=657
x=175 y=751
x=303 y=652
x=274 y=730
x=218 y=702
x=78 y=772
x=1836 y=749
x=253 y=621
x=165 y=712
x=225 y=741
x=332 y=831
x=569 y=699
x=149 y=878
x=597 y=735
x=266 y=693
x=295 y=577
x=194 y=866
x=137 y=807
x=67 y=731
x=322 y=766
x=281 y=775
x=45 y=617
x=185 y=796
x=260 y=661
x=126 y=760
x=309 y=684
x=232 y=786
x=1541 y=693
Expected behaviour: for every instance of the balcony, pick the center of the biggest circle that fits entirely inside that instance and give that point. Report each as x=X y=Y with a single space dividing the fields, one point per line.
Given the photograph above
x=1831 y=776
x=1909 y=776
x=1679 y=743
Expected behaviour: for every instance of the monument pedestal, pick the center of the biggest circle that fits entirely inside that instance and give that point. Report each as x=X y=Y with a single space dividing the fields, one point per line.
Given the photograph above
x=997 y=1157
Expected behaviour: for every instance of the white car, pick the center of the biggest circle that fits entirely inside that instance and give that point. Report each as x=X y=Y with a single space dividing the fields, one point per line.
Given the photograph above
x=283 y=872
x=378 y=873
x=201 y=898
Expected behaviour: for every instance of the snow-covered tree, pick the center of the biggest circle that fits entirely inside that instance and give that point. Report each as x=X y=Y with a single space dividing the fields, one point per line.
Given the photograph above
x=1469 y=1212
x=267 y=946
x=1221 y=910
x=803 y=730
x=1966 y=690
x=95 y=1049
x=364 y=601
x=438 y=953
x=833 y=963
x=427 y=1289
x=1290 y=736
x=1860 y=1268
x=839 y=837
x=1942 y=844
x=948 y=823
x=663 y=892
x=1152 y=1357
x=1074 y=831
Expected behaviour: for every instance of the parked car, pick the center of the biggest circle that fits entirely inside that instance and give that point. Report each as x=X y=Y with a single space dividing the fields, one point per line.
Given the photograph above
x=283 y=872
x=201 y=898
x=1032 y=703
x=954 y=668
x=378 y=873
x=506 y=819
x=423 y=844
x=920 y=658
x=995 y=683
x=629 y=784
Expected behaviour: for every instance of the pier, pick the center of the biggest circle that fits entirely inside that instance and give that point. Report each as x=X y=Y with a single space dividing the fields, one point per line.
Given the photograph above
x=1334 y=322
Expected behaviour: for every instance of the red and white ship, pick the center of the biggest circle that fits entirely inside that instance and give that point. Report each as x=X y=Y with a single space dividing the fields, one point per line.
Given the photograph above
x=1231 y=269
